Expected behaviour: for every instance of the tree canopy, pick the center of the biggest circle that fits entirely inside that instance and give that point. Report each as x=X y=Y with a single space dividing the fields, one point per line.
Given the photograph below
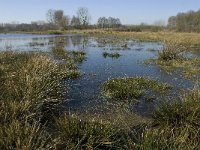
x=187 y=22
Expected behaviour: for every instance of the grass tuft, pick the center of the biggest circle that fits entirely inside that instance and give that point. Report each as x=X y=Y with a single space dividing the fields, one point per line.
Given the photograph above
x=112 y=55
x=132 y=88
x=176 y=124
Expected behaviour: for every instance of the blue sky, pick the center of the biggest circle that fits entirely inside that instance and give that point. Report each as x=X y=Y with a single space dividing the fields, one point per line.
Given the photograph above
x=129 y=11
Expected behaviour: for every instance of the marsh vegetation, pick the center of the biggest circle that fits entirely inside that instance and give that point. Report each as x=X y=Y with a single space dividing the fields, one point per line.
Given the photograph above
x=133 y=88
x=112 y=55
x=65 y=94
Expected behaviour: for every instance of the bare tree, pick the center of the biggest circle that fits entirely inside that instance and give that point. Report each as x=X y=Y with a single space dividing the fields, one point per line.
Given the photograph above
x=75 y=22
x=102 y=22
x=57 y=17
x=50 y=16
x=83 y=16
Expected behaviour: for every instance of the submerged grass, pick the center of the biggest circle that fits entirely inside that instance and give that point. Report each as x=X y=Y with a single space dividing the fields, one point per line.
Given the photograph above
x=133 y=88
x=112 y=55
x=78 y=55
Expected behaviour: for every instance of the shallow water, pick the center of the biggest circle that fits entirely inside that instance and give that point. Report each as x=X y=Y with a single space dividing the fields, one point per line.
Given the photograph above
x=85 y=92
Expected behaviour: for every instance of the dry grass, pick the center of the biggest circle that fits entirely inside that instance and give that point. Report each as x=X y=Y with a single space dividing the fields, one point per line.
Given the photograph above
x=183 y=38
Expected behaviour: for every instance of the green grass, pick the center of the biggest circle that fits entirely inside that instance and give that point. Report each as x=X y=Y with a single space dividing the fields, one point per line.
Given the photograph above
x=172 y=57
x=78 y=55
x=78 y=134
x=112 y=55
x=172 y=50
x=133 y=88
x=30 y=93
x=29 y=117
x=176 y=124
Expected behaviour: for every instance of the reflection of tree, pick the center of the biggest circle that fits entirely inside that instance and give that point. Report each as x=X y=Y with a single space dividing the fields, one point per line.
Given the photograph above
x=76 y=40
x=38 y=41
x=58 y=49
x=84 y=42
x=79 y=40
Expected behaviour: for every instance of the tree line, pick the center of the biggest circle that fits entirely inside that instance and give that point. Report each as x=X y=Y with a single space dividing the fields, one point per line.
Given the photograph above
x=185 y=22
x=58 y=20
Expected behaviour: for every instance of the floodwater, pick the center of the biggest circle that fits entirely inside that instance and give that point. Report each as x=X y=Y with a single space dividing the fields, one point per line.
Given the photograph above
x=85 y=92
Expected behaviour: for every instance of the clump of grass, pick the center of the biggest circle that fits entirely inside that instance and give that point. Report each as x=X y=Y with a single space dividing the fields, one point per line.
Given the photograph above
x=72 y=74
x=60 y=53
x=21 y=134
x=132 y=88
x=112 y=55
x=183 y=112
x=78 y=134
x=171 y=51
x=176 y=124
x=30 y=94
x=30 y=76
x=78 y=56
x=172 y=57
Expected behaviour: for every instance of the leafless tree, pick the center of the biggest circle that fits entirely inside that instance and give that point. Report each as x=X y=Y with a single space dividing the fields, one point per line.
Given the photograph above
x=110 y=22
x=83 y=16
x=57 y=17
x=102 y=22
x=75 y=22
x=50 y=16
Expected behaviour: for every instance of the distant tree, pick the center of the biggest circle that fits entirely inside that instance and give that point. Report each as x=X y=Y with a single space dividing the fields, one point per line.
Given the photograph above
x=187 y=22
x=102 y=22
x=108 y=22
x=117 y=22
x=57 y=17
x=172 y=22
x=75 y=22
x=60 y=20
x=50 y=16
x=83 y=16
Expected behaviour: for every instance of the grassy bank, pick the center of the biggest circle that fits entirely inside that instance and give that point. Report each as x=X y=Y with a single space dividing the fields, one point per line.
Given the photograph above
x=182 y=37
x=191 y=39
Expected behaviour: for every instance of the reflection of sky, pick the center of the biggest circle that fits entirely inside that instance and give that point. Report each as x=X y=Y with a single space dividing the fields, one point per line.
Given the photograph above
x=26 y=42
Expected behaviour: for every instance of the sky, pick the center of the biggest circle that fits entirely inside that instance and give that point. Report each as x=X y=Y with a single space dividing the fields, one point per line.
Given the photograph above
x=128 y=11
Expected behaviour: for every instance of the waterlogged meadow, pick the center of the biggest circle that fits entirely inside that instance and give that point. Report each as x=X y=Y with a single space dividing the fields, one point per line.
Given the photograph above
x=107 y=91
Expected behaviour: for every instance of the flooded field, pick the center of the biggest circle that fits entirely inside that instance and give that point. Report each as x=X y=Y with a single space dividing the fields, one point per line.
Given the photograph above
x=105 y=58
x=98 y=92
